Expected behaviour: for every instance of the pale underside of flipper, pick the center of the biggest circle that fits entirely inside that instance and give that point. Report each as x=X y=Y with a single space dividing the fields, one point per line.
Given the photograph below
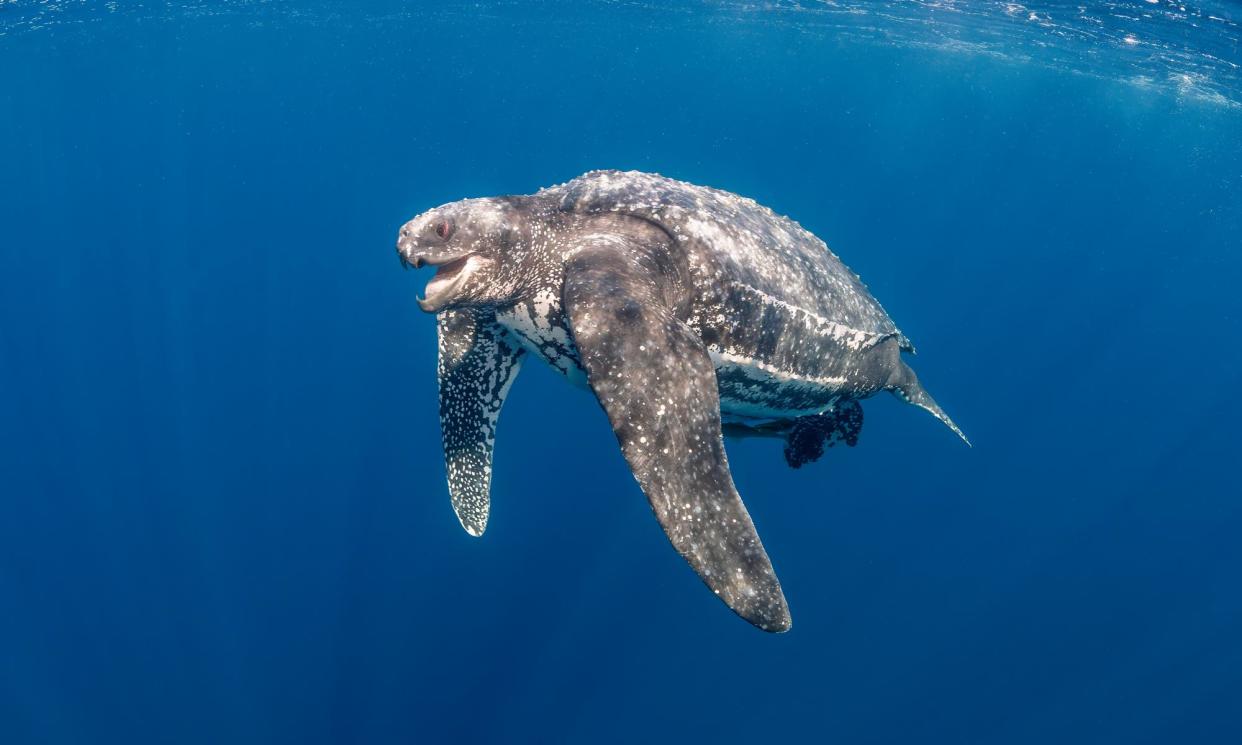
x=478 y=361
x=653 y=377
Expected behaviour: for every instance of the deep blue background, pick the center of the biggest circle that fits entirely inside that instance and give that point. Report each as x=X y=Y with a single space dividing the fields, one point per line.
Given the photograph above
x=222 y=508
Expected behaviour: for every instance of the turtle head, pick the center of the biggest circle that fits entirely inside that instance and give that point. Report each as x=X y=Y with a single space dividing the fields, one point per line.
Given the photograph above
x=468 y=243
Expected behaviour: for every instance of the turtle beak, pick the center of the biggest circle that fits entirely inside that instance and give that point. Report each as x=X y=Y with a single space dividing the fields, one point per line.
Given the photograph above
x=407 y=252
x=420 y=259
x=413 y=255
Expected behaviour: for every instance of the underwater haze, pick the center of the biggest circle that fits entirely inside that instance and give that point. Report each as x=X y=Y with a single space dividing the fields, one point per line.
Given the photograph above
x=223 y=511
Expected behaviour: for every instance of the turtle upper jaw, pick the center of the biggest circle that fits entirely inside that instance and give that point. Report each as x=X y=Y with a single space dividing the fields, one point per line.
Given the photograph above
x=413 y=255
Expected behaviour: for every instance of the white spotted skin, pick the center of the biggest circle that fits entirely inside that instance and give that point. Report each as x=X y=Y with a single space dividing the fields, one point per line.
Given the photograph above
x=730 y=240
x=540 y=326
x=790 y=328
x=687 y=311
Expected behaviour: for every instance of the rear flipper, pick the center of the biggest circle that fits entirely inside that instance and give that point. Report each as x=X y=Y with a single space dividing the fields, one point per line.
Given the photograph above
x=809 y=435
x=904 y=384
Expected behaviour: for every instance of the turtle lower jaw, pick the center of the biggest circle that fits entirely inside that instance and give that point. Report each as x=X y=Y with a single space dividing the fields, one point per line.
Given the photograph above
x=448 y=280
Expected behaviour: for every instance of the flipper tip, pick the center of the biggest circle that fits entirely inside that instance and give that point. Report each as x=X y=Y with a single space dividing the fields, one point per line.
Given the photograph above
x=474 y=529
x=906 y=386
x=778 y=626
x=770 y=614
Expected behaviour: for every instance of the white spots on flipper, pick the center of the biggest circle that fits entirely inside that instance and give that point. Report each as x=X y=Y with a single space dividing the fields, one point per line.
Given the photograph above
x=477 y=365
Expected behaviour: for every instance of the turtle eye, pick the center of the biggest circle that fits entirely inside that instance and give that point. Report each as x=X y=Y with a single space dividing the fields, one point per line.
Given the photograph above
x=444 y=229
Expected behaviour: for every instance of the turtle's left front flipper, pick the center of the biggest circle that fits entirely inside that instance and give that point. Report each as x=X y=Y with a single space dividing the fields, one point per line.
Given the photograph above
x=655 y=380
x=478 y=362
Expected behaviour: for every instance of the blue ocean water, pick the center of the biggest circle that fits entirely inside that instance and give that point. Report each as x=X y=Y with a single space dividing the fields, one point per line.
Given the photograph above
x=223 y=515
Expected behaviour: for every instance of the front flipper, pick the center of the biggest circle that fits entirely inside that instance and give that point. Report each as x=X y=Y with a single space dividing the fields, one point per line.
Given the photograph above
x=654 y=379
x=478 y=362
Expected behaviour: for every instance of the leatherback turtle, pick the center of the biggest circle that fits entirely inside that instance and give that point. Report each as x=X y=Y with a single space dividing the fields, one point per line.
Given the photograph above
x=690 y=312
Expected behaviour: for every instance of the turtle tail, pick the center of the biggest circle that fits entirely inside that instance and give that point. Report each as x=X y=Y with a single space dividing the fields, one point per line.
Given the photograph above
x=904 y=384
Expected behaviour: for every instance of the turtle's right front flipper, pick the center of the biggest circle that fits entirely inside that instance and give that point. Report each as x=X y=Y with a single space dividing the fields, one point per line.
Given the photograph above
x=478 y=362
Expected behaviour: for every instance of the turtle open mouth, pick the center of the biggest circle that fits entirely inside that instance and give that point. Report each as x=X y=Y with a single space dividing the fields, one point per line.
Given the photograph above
x=449 y=270
x=447 y=280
